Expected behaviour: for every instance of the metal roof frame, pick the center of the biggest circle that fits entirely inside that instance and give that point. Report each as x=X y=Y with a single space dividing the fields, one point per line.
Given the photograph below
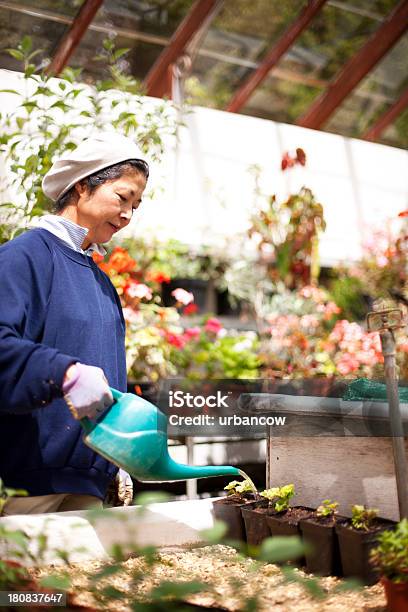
x=73 y=36
x=157 y=82
x=352 y=73
x=276 y=52
x=387 y=118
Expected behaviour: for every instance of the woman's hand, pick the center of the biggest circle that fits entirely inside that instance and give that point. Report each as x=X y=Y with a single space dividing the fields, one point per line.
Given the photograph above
x=86 y=391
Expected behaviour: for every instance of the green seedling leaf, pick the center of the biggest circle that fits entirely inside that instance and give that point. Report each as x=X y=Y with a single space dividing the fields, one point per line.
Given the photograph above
x=176 y=589
x=112 y=593
x=117 y=553
x=18 y=55
x=17 y=537
x=281 y=548
x=62 y=583
x=26 y=44
x=214 y=534
x=119 y=53
x=251 y=605
x=154 y=497
x=348 y=584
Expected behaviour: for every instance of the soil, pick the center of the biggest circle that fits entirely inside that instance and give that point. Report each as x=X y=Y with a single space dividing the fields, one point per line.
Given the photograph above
x=231 y=579
x=234 y=500
x=327 y=521
x=378 y=525
x=294 y=515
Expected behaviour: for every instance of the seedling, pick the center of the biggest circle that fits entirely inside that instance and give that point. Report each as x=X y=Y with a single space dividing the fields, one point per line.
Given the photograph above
x=391 y=555
x=279 y=497
x=239 y=488
x=362 y=518
x=327 y=508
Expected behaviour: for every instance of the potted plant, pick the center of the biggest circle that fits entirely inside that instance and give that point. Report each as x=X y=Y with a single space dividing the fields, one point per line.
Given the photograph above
x=285 y=519
x=357 y=537
x=228 y=509
x=318 y=530
x=268 y=516
x=390 y=558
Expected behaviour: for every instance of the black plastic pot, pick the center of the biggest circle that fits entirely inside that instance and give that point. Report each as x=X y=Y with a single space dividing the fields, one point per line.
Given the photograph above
x=323 y=554
x=228 y=510
x=282 y=524
x=355 y=547
x=256 y=527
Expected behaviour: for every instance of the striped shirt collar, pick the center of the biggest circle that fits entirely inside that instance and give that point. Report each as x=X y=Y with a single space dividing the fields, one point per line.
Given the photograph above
x=71 y=233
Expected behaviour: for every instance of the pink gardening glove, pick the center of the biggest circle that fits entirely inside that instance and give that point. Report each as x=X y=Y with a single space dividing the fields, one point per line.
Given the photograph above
x=86 y=391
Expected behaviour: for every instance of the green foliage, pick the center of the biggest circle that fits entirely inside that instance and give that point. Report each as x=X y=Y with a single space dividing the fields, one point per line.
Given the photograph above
x=214 y=534
x=327 y=508
x=177 y=259
x=6 y=492
x=280 y=549
x=206 y=357
x=347 y=292
x=362 y=518
x=279 y=497
x=235 y=487
x=285 y=234
x=52 y=116
x=390 y=557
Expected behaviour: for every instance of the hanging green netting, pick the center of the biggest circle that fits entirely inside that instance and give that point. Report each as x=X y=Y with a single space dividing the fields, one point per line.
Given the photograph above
x=364 y=389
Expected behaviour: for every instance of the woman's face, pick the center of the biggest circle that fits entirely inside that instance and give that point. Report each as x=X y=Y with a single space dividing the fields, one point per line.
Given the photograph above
x=109 y=208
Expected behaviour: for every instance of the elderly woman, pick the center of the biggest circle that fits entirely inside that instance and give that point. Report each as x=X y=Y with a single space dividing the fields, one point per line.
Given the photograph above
x=62 y=330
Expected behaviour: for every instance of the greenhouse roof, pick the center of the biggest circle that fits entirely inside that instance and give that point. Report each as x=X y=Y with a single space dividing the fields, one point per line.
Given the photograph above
x=334 y=65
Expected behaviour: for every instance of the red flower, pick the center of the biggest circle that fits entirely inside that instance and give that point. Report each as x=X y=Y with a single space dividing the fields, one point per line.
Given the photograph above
x=97 y=257
x=121 y=261
x=301 y=156
x=213 y=325
x=175 y=340
x=291 y=159
x=190 y=309
x=404 y=213
x=287 y=161
x=158 y=277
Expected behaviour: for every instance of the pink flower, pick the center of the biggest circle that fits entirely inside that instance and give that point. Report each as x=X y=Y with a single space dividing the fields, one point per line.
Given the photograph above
x=138 y=290
x=192 y=332
x=182 y=296
x=130 y=315
x=176 y=340
x=213 y=325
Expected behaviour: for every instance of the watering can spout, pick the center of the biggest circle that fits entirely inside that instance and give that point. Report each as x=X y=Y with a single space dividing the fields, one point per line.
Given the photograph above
x=169 y=470
x=132 y=434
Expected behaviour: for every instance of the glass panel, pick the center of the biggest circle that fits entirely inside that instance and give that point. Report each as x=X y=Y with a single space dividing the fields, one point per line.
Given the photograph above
x=13 y=27
x=335 y=34
x=154 y=16
x=281 y=100
x=62 y=7
x=374 y=95
x=239 y=36
x=397 y=134
x=137 y=62
x=375 y=9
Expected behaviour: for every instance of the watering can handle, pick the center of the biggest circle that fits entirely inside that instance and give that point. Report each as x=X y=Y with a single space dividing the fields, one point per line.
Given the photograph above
x=116 y=394
x=87 y=424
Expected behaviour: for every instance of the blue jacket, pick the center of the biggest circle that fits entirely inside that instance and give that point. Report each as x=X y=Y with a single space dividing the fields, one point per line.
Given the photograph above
x=56 y=307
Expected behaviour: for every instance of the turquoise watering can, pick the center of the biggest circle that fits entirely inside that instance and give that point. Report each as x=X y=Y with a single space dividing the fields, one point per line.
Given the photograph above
x=132 y=434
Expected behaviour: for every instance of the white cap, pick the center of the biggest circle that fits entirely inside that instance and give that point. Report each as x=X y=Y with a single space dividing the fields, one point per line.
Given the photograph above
x=91 y=155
